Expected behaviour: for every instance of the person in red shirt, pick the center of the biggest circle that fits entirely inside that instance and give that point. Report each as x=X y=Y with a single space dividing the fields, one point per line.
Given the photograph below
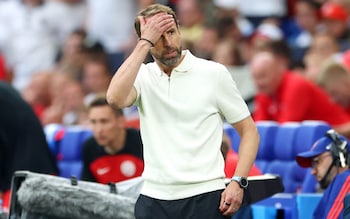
x=285 y=96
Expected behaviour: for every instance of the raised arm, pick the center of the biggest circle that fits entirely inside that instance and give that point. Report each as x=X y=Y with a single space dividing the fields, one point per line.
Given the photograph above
x=121 y=92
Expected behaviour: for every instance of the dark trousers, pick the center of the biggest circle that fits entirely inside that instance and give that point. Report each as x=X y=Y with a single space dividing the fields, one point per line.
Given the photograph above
x=197 y=207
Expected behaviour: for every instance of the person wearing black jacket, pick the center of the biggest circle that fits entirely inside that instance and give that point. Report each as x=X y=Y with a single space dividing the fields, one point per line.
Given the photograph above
x=23 y=144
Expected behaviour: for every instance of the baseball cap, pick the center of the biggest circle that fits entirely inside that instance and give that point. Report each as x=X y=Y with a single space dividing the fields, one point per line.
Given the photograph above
x=334 y=11
x=322 y=145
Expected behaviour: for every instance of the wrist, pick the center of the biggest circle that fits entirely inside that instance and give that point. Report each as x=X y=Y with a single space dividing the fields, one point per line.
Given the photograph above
x=148 y=41
x=242 y=181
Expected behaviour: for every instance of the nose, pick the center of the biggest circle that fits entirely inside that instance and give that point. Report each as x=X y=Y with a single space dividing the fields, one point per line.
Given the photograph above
x=313 y=171
x=166 y=41
x=97 y=128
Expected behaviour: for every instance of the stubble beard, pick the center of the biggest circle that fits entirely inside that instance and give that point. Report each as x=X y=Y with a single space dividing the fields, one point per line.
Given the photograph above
x=170 y=62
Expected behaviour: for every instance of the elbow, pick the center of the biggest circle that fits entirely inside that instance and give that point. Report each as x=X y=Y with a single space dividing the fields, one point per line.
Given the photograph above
x=113 y=101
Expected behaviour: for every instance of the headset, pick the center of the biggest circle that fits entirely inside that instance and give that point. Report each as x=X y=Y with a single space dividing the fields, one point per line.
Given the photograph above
x=339 y=153
x=338 y=149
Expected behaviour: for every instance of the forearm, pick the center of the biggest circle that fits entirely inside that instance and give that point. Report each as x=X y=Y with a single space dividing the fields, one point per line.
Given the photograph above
x=121 y=85
x=248 y=148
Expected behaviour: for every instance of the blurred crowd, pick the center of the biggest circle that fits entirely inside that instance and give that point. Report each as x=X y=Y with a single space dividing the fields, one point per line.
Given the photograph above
x=60 y=53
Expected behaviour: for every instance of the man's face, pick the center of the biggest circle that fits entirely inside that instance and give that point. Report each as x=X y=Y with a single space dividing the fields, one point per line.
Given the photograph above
x=265 y=72
x=105 y=124
x=167 y=50
x=320 y=165
x=95 y=77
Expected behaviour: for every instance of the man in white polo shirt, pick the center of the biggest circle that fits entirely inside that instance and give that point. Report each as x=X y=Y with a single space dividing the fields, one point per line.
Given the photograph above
x=183 y=102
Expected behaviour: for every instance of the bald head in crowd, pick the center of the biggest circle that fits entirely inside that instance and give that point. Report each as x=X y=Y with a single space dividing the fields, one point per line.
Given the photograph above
x=267 y=70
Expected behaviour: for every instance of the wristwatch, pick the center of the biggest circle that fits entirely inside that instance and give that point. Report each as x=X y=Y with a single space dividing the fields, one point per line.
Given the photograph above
x=242 y=181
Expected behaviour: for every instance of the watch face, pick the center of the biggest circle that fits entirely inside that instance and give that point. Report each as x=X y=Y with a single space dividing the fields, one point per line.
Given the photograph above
x=244 y=182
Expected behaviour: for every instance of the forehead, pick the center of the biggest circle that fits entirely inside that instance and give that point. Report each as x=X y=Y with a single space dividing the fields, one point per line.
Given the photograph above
x=262 y=60
x=101 y=111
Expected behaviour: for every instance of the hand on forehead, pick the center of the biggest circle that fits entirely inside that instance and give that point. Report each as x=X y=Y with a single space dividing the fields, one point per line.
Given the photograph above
x=158 y=17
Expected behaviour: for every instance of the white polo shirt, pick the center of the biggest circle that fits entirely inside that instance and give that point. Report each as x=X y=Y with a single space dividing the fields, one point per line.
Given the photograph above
x=181 y=121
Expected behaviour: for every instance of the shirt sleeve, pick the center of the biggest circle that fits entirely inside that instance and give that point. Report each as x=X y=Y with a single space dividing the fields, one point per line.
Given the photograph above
x=229 y=99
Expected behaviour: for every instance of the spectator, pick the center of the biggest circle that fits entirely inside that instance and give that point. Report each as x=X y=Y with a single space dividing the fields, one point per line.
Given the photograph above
x=329 y=160
x=286 y=96
x=37 y=92
x=54 y=112
x=114 y=153
x=26 y=39
x=325 y=45
x=72 y=54
x=335 y=17
x=228 y=14
x=191 y=18
x=23 y=143
x=307 y=20
x=335 y=80
x=227 y=53
x=181 y=123
x=74 y=111
x=266 y=32
x=67 y=106
x=207 y=42
x=95 y=77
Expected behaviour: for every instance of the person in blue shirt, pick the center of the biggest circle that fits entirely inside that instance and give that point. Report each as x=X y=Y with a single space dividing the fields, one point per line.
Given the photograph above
x=329 y=158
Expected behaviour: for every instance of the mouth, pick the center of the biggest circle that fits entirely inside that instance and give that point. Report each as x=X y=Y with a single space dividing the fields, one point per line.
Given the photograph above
x=170 y=54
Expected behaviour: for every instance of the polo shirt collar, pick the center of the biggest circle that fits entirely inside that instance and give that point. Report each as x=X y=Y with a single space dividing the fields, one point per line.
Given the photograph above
x=186 y=63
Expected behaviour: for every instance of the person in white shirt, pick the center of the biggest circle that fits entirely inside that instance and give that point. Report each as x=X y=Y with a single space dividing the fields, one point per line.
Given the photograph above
x=183 y=102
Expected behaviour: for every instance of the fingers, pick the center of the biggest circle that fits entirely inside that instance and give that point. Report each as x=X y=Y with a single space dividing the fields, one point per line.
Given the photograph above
x=228 y=208
x=142 y=20
x=231 y=201
x=153 y=27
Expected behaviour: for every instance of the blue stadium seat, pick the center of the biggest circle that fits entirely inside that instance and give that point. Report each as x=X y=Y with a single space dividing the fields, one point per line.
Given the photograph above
x=234 y=137
x=70 y=144
x=309 y=132
x=70 y=148
x=267 y=131
x=51 y=131
x=70 y=168
x=285 y=141
x=285 y=170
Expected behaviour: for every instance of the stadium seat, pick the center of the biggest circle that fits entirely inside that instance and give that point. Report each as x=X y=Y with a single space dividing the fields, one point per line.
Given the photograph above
x=267 y=131
x=309 y=132
x=70 y=144
x=51 y=131
x=70 y=148
x=234 y=137
x=285 y=141
x=70 y=168
x=285 y=170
